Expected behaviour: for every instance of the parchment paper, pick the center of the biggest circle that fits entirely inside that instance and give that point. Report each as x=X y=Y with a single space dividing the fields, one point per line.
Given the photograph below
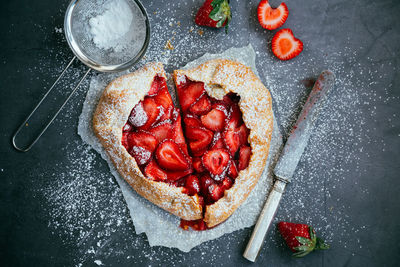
x=162 y=228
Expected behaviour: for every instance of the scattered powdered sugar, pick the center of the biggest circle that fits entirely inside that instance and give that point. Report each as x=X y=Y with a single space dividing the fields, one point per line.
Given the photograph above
x=109 y=28
x=86 y=207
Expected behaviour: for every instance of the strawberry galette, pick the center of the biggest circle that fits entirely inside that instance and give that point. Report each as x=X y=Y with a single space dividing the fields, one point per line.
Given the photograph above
x=199 y=162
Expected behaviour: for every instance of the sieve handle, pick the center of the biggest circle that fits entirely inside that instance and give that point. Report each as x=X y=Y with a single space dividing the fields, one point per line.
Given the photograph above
x=27 y=148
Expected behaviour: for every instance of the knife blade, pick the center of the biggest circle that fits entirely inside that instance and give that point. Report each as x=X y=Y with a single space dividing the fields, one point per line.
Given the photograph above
x=289 y=158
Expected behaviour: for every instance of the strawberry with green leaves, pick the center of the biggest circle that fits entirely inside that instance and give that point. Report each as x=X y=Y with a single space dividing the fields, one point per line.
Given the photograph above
x=215 y=14
x=300 y=238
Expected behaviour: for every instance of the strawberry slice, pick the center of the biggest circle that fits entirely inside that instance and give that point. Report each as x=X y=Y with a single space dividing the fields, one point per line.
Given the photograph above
x=154 y=172
x=214 y=120
x=235 y=117
x=124 y=139
x=202 y=106
x=215 y=161
x=227 y=183
x=177 y=132
x=271 y=18
x=173 y=176
x=143 y=139
x=156 y=85
x=165 y=114
x=217 y=141
x=150 y=107
x=198 y=164
x=285 y=46
x=232 y=171
x=141 y=155
x=244 y=157
x=192 y=184
x=200 y=139
x=191 y=121
x=127 y=127
x=216 y=192
x=205 y=182
x=243 y=133
x=163 y=98
x=161 y=130
x=189 y=94
x=138 y=116
x=170 y=157
x=232 y=141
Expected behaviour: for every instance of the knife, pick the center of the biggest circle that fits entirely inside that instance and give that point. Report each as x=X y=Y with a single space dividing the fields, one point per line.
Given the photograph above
x=288 y=160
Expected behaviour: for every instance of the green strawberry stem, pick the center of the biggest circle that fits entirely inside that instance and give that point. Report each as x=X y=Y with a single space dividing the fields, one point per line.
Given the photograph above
x=221 y=12
x=308 y=245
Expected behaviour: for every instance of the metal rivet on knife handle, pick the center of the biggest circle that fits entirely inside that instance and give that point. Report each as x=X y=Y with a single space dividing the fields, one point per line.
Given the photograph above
x=289 y=159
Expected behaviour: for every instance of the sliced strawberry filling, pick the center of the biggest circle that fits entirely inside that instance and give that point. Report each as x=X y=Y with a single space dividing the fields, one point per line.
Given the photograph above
x=205 y=158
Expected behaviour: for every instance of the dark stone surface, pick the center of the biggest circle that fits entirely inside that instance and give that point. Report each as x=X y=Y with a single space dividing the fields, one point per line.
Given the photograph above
x=31 y=53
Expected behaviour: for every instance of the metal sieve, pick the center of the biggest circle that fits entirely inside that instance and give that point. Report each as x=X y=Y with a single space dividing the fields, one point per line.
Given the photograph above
x=77 y=33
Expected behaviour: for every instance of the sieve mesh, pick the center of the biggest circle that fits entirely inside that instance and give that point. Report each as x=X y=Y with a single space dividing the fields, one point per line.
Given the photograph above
x=132 y=42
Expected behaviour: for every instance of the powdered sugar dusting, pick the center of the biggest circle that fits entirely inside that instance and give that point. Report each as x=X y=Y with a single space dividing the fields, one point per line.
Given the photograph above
x=97 y=210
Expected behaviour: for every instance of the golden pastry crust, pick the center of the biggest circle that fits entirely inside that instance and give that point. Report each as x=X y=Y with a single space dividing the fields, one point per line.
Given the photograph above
x=220 y=77
x=111 y=114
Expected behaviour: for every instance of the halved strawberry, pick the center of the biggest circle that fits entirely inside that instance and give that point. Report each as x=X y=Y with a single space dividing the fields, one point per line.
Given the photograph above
x=161 y=130
x=244 y=157
x=200 y=139
x=124 y=139
x=192 y=184
x=189 y=94
x=138 y=116
x=141 y=155
x=150 y=107
x=202 y=106
x=214 y=120
x=163 y=98
x=191 y=121
x=243 y=133
x=154 y=172
x=127 y=127
x=232 y=171
x=232 y=141
x=217 y=141
x=205 y=182
x=177 y=132
x=235 y=117
x=198 y=164
x=165 y=114
x=156 y=84
x=271 y=18
x=143 y=139
x=216 y=191
x=227 y=183
x=170 y=157
x=285 y=46
x=215 y=161
x=176 y=175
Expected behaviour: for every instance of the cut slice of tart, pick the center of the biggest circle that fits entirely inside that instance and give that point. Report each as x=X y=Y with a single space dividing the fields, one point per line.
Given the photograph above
x=200 y=162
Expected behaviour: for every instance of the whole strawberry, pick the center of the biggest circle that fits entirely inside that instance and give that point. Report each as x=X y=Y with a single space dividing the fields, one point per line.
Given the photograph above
x=300 y=238
x=214 y=13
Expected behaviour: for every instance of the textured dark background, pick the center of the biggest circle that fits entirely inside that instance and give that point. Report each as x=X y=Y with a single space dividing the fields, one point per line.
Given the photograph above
x=30 y=58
